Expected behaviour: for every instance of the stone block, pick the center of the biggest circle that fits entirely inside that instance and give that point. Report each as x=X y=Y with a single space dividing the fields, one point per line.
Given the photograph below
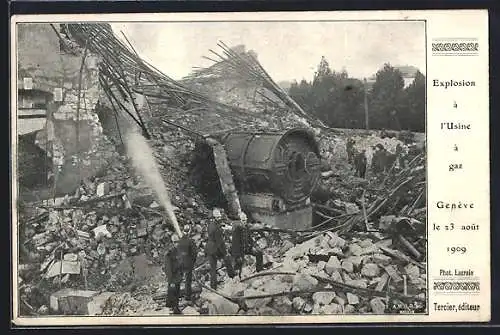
x=71 y=302
x=218 y=305
x=304 y=282
x=370 y=270
x=352 y=299
x=332 y=265
x=377 y=305
x=256 y=303
x=347 y=266
x=323 y=298
x=102 y=189
x=96 y=305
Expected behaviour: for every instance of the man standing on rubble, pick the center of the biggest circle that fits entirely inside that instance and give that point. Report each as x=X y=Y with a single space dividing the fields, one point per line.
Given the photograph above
x=380 y=159
x=350 y=150
x=375 y=165
x=243 y=244
x=384 y=158
x=400 y=156
x=360 y=164
x=179 y=262
x=216 y=248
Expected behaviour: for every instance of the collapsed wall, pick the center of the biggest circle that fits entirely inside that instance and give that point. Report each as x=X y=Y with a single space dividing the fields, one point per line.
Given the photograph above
x=72 y=136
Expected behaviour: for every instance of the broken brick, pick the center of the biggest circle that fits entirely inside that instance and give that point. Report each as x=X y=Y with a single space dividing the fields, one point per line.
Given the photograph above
x=102 y=189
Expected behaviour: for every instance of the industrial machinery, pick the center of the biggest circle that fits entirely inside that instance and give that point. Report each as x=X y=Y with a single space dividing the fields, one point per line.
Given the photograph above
x=273 y=174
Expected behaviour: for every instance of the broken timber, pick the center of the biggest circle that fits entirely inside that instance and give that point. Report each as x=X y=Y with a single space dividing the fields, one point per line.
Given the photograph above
x=225 y=177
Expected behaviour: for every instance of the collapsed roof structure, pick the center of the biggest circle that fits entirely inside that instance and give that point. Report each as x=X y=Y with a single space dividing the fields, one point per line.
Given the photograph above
x=245 y=66
x=124 y=73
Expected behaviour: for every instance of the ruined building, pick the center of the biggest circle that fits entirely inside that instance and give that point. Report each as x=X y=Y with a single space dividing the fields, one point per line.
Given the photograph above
x=58 y=127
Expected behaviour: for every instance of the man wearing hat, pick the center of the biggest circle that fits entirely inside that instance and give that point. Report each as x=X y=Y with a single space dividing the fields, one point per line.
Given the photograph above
x=179 y=262
x=379 y=159
x=216 y=248
x=384 y=158
x=360 y=164
x=243 y=244
x=350 y=150
x=400 y=156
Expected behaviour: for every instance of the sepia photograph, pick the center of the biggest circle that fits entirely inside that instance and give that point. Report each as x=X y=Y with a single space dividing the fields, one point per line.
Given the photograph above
x=220 y=168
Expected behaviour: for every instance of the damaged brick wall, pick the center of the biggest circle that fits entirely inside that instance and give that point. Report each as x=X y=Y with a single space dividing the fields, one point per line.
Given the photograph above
x=73 y=136
x=117 y=123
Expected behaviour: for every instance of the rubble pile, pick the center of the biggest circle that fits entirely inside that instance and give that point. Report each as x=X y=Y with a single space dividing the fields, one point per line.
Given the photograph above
x=208 y=122
x=244 y=82
x=330 y=275
x=269 y=112
x=369 y=239
x=79 y=239
x=230 y=92
x=339 y=181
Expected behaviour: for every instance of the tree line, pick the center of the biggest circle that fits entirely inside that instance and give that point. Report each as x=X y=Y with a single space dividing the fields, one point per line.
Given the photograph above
x=340 y=101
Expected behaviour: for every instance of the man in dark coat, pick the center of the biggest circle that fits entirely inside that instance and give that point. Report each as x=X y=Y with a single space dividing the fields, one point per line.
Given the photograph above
x=179 y=262
x=375 y=164
x=400 y=156
x=216 y=249
x=350 y=150
x=243 y=244
x=360 y=164
x=380 y=159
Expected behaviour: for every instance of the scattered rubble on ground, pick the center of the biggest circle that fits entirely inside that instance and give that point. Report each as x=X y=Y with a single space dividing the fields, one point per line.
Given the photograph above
x=109 y=237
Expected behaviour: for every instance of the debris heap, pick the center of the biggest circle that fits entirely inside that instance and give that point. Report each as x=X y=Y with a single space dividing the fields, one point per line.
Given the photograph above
x=367 y=251
x=246 y=68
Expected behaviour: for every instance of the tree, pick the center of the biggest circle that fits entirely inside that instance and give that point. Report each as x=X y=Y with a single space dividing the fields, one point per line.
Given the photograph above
x=351 y=101
x=338 y=100
x=322 y=84
x=302 y=94
x=323 y=71
x=344 y=100
x=387 y=99
x=332 y=96
x=415 y=94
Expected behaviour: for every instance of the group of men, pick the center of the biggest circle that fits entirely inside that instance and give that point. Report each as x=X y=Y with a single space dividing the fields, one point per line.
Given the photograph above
x=382 y=160
x=181 y=256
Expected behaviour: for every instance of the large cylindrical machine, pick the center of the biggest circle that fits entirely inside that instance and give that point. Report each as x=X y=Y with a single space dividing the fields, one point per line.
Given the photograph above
x=285 y=164
x=274 y=174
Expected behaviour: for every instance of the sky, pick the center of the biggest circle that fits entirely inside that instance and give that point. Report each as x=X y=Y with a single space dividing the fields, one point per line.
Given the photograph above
x=287 y=50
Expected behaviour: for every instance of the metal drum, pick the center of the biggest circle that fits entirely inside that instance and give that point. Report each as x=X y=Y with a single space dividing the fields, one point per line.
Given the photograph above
x=285 y=164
